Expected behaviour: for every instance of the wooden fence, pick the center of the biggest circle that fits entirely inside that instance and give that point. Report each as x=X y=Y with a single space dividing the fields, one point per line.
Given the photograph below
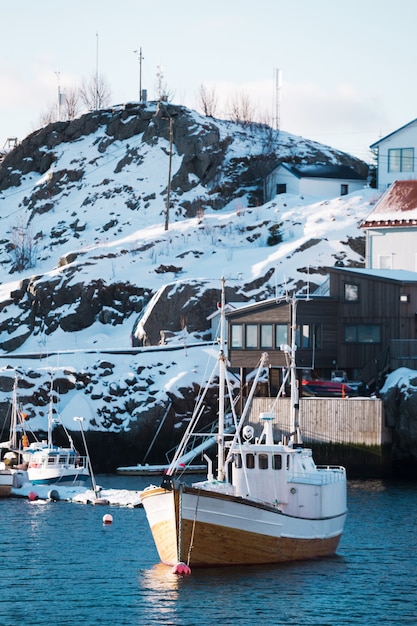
x=352 y=421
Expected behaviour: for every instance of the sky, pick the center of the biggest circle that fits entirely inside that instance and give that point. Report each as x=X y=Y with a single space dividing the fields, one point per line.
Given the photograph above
x=346 y=68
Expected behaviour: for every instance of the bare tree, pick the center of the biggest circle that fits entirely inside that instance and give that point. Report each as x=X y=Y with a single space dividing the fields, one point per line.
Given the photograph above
x=22 y=248
x=207 y=101
x=72 y=103
x=48 y=116
x=241 y=109
x=95 y=93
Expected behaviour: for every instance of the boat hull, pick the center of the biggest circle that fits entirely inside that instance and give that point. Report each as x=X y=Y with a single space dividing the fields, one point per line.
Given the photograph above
x=158 y=470
x=44 y=476
x=220 y=530
x=6 y=483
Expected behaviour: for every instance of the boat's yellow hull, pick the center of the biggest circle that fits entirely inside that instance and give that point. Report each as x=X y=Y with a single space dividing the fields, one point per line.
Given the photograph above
x=211 y=529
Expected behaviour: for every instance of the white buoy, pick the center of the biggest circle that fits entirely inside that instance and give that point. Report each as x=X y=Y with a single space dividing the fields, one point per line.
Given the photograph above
x=107 y=519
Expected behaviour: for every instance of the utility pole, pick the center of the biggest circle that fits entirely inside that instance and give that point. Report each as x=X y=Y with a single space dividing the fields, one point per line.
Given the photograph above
x=57 y=74
x=140 y=57
x=96 y=96
x=277 y=98
x=169 y=174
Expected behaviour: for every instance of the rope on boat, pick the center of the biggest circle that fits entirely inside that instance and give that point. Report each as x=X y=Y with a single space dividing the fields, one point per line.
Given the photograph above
x=179 y=523
x=193 y=531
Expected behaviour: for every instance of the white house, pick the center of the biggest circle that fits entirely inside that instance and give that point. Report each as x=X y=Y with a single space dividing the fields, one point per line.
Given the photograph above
x=396 y=156
x=322 y=181
x=391 y=229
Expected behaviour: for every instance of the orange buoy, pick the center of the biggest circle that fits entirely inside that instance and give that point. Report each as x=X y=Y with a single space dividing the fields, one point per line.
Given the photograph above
x=32 y=496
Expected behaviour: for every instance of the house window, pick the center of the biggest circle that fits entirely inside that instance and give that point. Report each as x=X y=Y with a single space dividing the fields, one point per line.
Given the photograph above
x=404 y=297
x=351 y=292
x=251 y=335
x=281 y=334
x=237 y=336
x=344 y=190
x=308 y=336
x=385 y=261
x=281 y=188
x=401 y=160
x=266 y=336
x=362 y=333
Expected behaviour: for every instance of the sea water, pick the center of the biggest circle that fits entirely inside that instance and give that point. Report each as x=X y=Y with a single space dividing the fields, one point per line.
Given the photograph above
x=60 y=565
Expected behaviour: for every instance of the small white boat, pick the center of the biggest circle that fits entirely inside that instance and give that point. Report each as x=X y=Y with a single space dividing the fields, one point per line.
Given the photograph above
x=6 y=481
x=269 y=502
x=158 y=470
x=49 y=464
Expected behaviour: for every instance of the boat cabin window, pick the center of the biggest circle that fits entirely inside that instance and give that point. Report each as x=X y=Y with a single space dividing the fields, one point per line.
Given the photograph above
x=51 y=460
x=250 y=461
x=277 y=461
x=263 y=461
x=62 y=459
x=288 y=461
x=238 y=461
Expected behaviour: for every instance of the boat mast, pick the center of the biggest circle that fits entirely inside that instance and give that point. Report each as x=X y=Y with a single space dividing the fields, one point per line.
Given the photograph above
x=222 y=381
x=13 y=417
x=295 y=402
x=50 y=413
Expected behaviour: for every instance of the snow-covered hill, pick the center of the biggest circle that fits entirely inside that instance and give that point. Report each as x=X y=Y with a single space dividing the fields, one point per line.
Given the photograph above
x=84 y=250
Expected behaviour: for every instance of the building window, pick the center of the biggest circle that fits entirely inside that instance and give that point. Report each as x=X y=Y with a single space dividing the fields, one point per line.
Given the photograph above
x=401 y=160
x=281 y=188
x=351 y=292
x=281 y=335
x=237 y=336
x=404 y=297
x=308 y=336
x=344 y=190
x=362 y=333
x=385 y=261
x=251 y=336
x=266 y=336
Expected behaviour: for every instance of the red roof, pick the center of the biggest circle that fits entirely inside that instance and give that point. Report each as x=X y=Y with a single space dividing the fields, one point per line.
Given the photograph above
x=397 y=207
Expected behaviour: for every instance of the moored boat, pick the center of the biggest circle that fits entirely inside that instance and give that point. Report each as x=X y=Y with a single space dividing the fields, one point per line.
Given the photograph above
x=269 y=501
x=6 y=481
x=49 y=464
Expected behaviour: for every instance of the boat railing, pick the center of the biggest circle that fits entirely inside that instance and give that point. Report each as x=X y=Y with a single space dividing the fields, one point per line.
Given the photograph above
x=325 y=474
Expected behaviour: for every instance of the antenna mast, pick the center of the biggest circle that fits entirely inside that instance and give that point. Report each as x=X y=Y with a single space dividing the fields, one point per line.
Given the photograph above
x=277 y=98
x=140 y=57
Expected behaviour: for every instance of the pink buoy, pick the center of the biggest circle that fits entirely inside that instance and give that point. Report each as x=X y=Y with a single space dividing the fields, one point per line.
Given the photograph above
x=32 y=496
x=107 y=519
x=181 y=569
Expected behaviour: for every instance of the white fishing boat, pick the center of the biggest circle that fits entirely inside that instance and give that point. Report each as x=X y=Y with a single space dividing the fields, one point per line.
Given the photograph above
x=6 y=481
x=13 y=465
x=268 y=503
x=49 y=464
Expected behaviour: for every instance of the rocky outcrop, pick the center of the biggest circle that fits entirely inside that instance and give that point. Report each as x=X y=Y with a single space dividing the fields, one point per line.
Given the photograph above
x=42 y=306
x=400 y=404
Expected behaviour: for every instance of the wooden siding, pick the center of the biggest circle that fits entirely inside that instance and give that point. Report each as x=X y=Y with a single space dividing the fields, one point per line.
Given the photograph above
x=354 y=421
x=404 y=354
x=320 y=311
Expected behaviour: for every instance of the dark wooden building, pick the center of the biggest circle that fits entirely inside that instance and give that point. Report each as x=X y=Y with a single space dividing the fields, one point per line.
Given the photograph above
x=348 y=325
